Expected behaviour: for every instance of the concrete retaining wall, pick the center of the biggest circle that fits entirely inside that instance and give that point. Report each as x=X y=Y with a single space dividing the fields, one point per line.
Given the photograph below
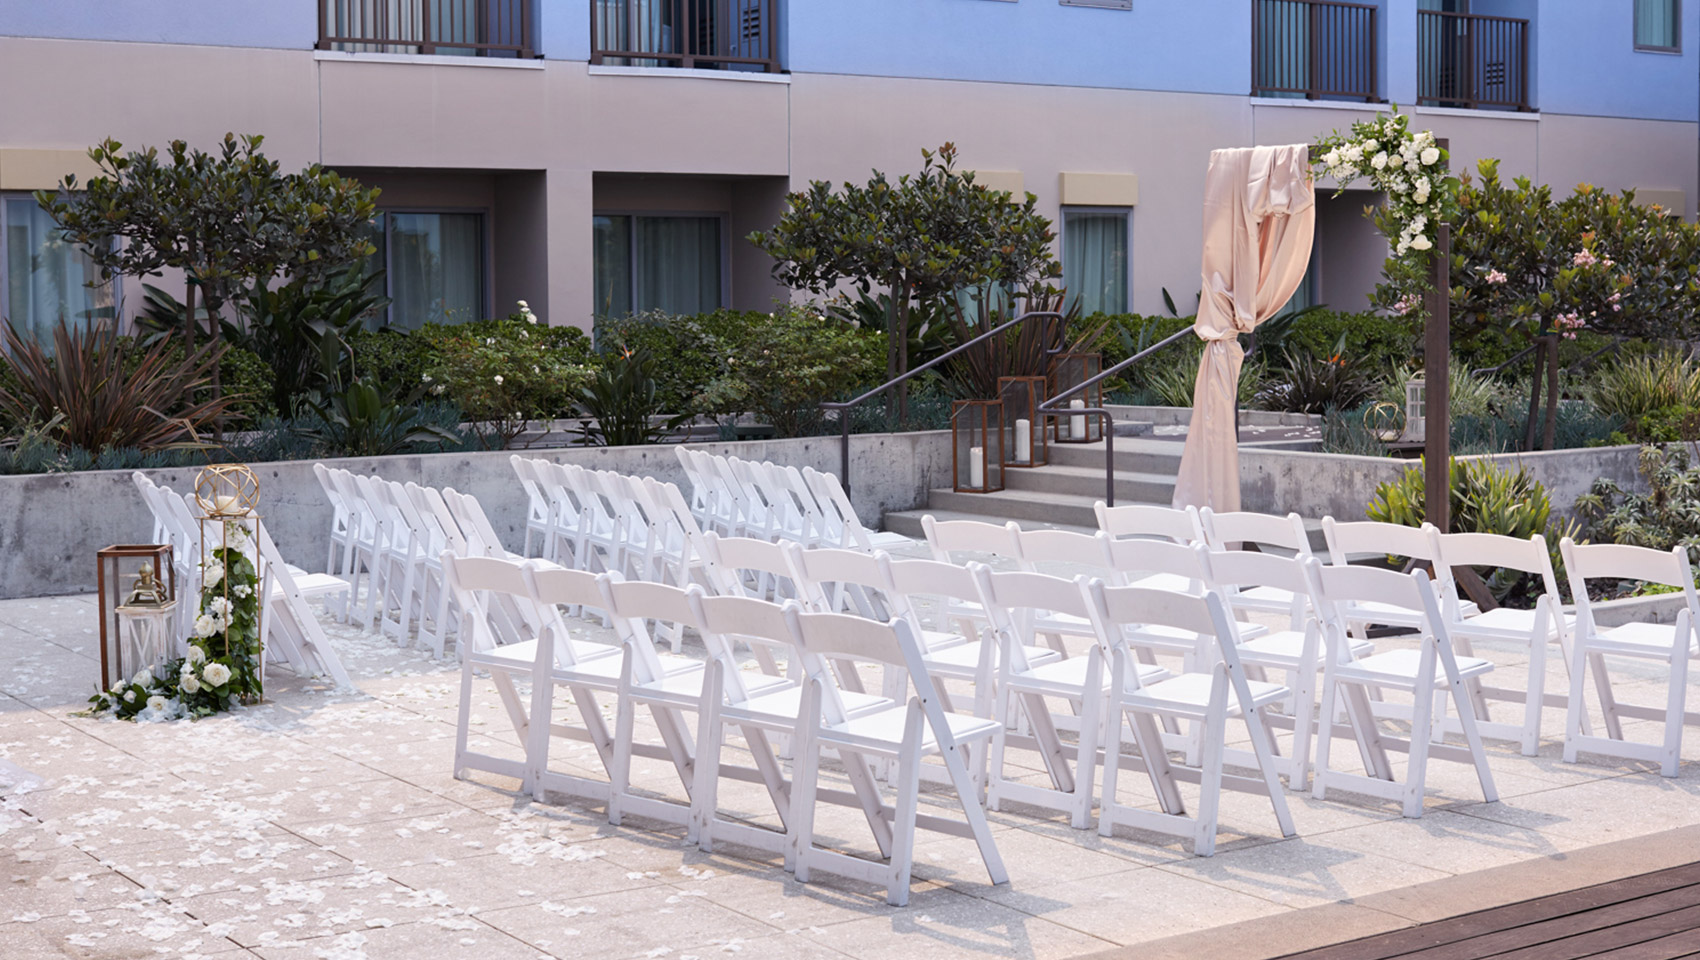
x=1326 y=484
x=52 y=524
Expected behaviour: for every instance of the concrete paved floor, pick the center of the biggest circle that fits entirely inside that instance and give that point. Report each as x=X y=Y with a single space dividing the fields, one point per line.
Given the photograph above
x=325 y=824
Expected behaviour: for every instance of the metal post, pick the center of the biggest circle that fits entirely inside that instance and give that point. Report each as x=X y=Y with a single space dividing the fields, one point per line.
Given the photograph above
x=1437 y=414
x=844 y=449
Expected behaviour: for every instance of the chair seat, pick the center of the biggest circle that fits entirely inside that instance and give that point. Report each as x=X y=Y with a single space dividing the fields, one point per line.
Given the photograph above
x=313 y=585
x=1067 y=678
x=941 y=640
x=1189 y=695
x=1652 y=641
x=881 y=732
x=1173 y=582
x=522 y=654
x=1505 y=622
x=782 y=706
x=1176 y=640
x=1393 y=615
x=1283 y=649
x=1398 y=669
x=685 y=687
x=964 y=658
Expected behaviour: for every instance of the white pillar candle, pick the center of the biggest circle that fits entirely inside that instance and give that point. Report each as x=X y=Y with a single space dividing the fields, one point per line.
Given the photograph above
x=1023 y=441
x=977 y=467
x=1077 y=422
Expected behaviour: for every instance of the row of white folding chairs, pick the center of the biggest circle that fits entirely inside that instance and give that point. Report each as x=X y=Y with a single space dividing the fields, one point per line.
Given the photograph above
x=768 y=501
x=603 y=520
x=292 y=632
x=1584 y=645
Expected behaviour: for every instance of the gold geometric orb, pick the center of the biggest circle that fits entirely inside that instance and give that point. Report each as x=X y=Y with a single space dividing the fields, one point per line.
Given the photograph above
x=1385 y=421
x=227 y=491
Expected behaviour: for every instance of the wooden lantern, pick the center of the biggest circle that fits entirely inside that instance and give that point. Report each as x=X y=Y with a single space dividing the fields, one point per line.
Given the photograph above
x=1024 y=428
x=118 y=571
x=1068 y=371
x=976 y=444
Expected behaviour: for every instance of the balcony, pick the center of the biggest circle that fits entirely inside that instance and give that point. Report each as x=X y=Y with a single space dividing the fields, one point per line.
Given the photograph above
x=1315 y=49
x=699 y=34
x=472 y=28
x=1473 y=62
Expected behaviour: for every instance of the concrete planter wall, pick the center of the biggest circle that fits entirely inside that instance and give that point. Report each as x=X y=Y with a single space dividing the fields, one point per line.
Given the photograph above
x=52 y=524
x=1341 y=486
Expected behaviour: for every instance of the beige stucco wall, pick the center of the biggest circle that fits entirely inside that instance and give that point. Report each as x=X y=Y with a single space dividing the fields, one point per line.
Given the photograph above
x=540 y=133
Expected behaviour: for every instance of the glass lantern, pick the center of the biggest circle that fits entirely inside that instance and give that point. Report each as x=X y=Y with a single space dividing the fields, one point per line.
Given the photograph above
x=976 y=444
x=1024 y=427
x=129 y=576
x=1069 y=371
x=1416 y=397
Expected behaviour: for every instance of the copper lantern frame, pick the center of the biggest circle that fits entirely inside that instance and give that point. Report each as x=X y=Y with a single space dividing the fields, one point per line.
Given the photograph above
x=1021 y=398
x=977 y=446
x=1068 y=371
x=110 y=579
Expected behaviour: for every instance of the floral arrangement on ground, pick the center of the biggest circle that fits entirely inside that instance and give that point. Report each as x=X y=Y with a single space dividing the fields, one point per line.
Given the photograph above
x=221 y=669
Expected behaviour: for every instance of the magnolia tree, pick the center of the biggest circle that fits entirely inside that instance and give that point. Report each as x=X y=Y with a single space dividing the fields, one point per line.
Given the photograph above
x=924 y=238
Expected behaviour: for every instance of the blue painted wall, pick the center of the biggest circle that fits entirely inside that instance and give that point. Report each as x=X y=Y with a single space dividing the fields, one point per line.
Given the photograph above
x=289 y=24
x=1589 y=64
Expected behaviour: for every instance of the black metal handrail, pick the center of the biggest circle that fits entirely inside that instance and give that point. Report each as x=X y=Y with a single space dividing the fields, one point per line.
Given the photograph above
x=843 y=406
x=699 y=34
x=1050 y=406
x=1472 y=60
x=485 y=28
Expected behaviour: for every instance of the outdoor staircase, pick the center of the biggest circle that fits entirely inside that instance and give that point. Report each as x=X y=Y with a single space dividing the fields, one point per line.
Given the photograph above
x=1061 y=493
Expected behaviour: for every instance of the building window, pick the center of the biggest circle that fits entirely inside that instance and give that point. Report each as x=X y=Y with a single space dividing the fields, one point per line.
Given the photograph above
x=44 y=277
x=433 y=266
x=1658 y=25
x=671 y=264
x=1095 y=258
x=1106 y=4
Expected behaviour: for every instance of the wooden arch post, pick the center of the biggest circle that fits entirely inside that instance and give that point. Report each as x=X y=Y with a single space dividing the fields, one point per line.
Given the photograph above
x=1437 y=407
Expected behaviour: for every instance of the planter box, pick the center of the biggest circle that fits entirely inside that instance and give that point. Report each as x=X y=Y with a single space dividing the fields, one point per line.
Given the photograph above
x=52 y=524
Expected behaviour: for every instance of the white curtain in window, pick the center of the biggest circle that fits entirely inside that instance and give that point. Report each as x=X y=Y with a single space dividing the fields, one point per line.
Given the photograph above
x=46 y=276
x=1655 y=23
x=436 y=268
x=678 y=264
x=1095 y=260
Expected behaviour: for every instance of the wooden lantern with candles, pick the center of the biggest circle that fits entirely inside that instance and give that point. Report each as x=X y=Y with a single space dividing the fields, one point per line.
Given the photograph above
x=1024 y=427
x=976 y=445
x=1068 y=371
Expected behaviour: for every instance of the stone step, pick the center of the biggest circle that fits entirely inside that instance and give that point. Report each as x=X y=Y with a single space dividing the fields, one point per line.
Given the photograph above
x=1088 y=482
x=1134 y=455
x=908 y=522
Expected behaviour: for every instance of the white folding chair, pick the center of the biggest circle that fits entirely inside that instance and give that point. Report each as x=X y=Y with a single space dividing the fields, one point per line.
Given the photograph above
x=1531 y=629
x=843 y=527
x=340 y=518
x=1015 y=601
x=1369 y=538
x=539 y=510
x=903 y=734
x=430 y=510
x=1260 y=531
x=1208 y=698
x=1431 y=667
x=1142 y=523
x=714 y=507
x=1672 y=644
x=287 y=615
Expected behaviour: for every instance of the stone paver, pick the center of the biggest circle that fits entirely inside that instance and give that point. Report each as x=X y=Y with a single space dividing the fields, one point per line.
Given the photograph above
x=325 y=825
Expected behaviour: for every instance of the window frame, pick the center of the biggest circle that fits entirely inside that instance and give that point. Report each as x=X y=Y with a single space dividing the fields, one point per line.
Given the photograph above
x=1676 y=28
x=116 y=280
x=1126 y=213
x=722 y=228
x=486 y=289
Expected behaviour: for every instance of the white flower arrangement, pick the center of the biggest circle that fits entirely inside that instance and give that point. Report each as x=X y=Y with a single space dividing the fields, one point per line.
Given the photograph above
x=1406 y=167
x=157 y=704
x=216 y=674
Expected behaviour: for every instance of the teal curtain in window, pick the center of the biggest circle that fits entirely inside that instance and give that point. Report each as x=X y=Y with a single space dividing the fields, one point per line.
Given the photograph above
x=436 y=263
x=678 y=264
x=1095 y=260
x=1283 y=48
x=612 y=253
x=1656 y=23
x=46 y=277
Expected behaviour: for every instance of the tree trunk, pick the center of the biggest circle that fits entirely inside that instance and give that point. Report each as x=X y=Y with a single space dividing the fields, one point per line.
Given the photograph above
x=1535 y=370
x=1549 y=433
x=903 y=352
x=189 y=315
x=217 y=336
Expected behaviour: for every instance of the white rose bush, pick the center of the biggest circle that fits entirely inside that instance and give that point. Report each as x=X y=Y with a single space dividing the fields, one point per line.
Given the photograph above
x=222 y=666
x=1409 y=169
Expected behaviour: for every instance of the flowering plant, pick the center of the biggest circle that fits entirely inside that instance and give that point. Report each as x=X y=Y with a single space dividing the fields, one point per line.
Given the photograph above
x=1410 y=171
x=222 y=666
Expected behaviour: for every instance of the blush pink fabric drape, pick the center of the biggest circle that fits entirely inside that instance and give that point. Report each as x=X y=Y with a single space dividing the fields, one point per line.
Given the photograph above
x=1259 y=220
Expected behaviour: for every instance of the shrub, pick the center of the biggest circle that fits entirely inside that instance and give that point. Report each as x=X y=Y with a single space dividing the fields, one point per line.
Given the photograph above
x=689 y=349
x=1374 y=342
x=98 y=390
x=1666 y=516
x=503 y=373
x=1633 y=387
x=785 y=364
x=621 y=404
x=1314 y=383
x=1484 y=499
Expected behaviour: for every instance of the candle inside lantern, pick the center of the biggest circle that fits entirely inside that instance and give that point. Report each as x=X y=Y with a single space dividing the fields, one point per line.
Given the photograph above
x=1077 y=422
x=224 y=504
x=977 y=467
x=1023 y=441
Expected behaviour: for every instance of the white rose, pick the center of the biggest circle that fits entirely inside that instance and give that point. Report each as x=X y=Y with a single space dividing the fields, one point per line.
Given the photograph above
x=1421 y=197
x=1379 y=161
x=197 y=655
x=156 y=703
x=1430 y=156
x=1331 y=159
x=219 y=606
x=205 y=626
x=129 y=696
x=143 y=678
x=218 y=674
x=1371 y=146
x=523 y=305
x=189 y=684
x=1395 y=161
x=1420 y=242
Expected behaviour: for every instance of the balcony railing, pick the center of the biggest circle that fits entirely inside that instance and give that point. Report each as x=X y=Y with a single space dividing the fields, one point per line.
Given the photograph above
x=1472 y=61
x=704 y=34
x=482 y=28
x=1317 y=49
